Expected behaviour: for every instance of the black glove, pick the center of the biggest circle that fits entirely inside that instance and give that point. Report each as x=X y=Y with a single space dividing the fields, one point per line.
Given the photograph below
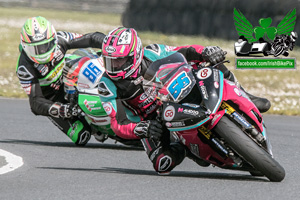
x=67 y=111
x=149 y=129
x=213 y=54
x=62 y=110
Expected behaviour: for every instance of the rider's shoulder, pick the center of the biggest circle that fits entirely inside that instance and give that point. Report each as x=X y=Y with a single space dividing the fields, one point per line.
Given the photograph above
x=106 y=87
x=68 y=36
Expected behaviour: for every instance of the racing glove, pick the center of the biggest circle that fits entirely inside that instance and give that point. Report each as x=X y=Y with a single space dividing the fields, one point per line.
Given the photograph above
x=62 y=110
x=213 y=54
x=149 y=129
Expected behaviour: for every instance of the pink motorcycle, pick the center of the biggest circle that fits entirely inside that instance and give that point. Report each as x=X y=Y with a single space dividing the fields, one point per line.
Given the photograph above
x=212 y=117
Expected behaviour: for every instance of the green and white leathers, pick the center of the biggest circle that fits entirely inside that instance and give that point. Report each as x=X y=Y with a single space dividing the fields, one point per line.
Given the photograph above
x=39 y=39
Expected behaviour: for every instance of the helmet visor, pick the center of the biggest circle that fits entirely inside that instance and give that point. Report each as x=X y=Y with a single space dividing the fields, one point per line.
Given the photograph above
x=117 y=65
x=40 y=48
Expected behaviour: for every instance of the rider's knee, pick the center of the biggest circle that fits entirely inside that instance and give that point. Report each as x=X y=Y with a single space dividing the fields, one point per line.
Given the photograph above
x=79 y=134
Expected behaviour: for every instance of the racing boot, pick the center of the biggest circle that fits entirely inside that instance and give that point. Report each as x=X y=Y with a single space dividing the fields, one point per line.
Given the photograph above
x=262 y=104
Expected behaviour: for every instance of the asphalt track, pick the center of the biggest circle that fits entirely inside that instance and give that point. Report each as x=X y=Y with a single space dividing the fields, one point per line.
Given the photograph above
x=56 y=169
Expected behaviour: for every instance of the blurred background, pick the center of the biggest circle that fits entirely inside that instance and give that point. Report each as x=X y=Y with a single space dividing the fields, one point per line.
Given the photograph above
x=171 y=22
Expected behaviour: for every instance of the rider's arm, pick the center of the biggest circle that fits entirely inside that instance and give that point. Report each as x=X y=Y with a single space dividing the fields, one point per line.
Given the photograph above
x=120 y=124
x=192 y=53
x=75 y=40
x=28 y=79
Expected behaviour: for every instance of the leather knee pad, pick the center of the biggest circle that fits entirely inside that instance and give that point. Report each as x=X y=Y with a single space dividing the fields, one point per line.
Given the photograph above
x=164 y=159
x=79 y=134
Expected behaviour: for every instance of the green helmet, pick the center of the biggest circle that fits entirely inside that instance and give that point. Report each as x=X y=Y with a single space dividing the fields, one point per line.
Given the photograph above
x=39 y=39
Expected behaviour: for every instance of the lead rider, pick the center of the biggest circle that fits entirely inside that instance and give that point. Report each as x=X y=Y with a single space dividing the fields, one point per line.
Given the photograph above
x=133 y=110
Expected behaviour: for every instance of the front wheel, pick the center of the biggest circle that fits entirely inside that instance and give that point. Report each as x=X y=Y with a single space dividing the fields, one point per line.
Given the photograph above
x=249 y=150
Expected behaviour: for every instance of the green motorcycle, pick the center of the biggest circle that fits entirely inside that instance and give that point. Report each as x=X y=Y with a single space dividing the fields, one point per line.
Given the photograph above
x=82 y=72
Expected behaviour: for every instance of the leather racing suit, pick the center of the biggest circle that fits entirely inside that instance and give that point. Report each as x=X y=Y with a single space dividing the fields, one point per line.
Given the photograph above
x=126 y=102
x=43 y=83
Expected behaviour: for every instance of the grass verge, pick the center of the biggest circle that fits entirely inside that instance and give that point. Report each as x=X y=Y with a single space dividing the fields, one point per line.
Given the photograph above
x=281 y=87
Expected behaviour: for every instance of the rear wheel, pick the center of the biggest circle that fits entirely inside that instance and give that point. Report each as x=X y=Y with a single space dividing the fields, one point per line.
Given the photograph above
x=249 y=150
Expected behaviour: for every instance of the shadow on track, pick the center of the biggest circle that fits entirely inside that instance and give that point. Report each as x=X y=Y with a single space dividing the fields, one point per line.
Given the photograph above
x=186 y=174
x=72 y=145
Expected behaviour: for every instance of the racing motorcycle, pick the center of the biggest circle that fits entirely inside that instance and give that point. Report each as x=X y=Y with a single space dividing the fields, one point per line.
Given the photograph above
x=212 y=117
x=82 y=72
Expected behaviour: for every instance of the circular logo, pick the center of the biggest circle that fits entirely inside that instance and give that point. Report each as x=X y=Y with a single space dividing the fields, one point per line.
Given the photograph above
x=204 y=73
x=169 y=113
x=216 y=84
x=108 y=108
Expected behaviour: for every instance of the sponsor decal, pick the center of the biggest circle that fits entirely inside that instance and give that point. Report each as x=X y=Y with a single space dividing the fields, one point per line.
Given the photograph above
x=110 y=49
x=219 y=145
x=83 y=85
x=38 y=37
x=55 y=85
x=169 y=113
x=237 y=91
x=216 y=75
x=124 y=39
x=26 y=88
x=204 y=73
x=230 y=82
x=241 y=120
x=23 y=73
x=215 y=118
x=175 y=124
x=154 y=153
x=43 y=69
x=138 y=80
x=204 y=92
x=90 y=105
x=201 y=83
x=164 y=163
x=170 y=48
x=216 y=84
x=147 y=101
x=191 y=112
x=108 y=108
x=180 y=109
x=194 y=149
x=191 y=105
x=151 y=108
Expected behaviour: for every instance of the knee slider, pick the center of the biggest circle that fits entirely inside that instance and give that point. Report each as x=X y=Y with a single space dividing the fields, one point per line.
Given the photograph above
x=163 y=160
x=79 y=134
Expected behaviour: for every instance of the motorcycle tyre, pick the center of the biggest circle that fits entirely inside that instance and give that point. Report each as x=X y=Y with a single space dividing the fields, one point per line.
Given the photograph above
x=249 y=150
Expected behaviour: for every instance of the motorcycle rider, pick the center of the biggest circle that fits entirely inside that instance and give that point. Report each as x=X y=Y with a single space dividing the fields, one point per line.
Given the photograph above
x=40 y=69
x=133 y=110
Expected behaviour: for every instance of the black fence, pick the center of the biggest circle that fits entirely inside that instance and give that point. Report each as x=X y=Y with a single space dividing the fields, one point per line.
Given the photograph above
x=212 y=18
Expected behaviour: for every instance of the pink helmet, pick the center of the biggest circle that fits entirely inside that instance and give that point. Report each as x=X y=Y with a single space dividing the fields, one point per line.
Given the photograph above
x=122 y=52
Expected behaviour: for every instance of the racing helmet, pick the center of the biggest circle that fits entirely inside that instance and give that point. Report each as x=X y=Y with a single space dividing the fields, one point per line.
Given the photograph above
x=39 y=39
x=122 y=53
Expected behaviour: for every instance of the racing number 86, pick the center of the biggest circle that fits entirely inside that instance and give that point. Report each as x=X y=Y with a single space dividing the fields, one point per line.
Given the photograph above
x=92 y=72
